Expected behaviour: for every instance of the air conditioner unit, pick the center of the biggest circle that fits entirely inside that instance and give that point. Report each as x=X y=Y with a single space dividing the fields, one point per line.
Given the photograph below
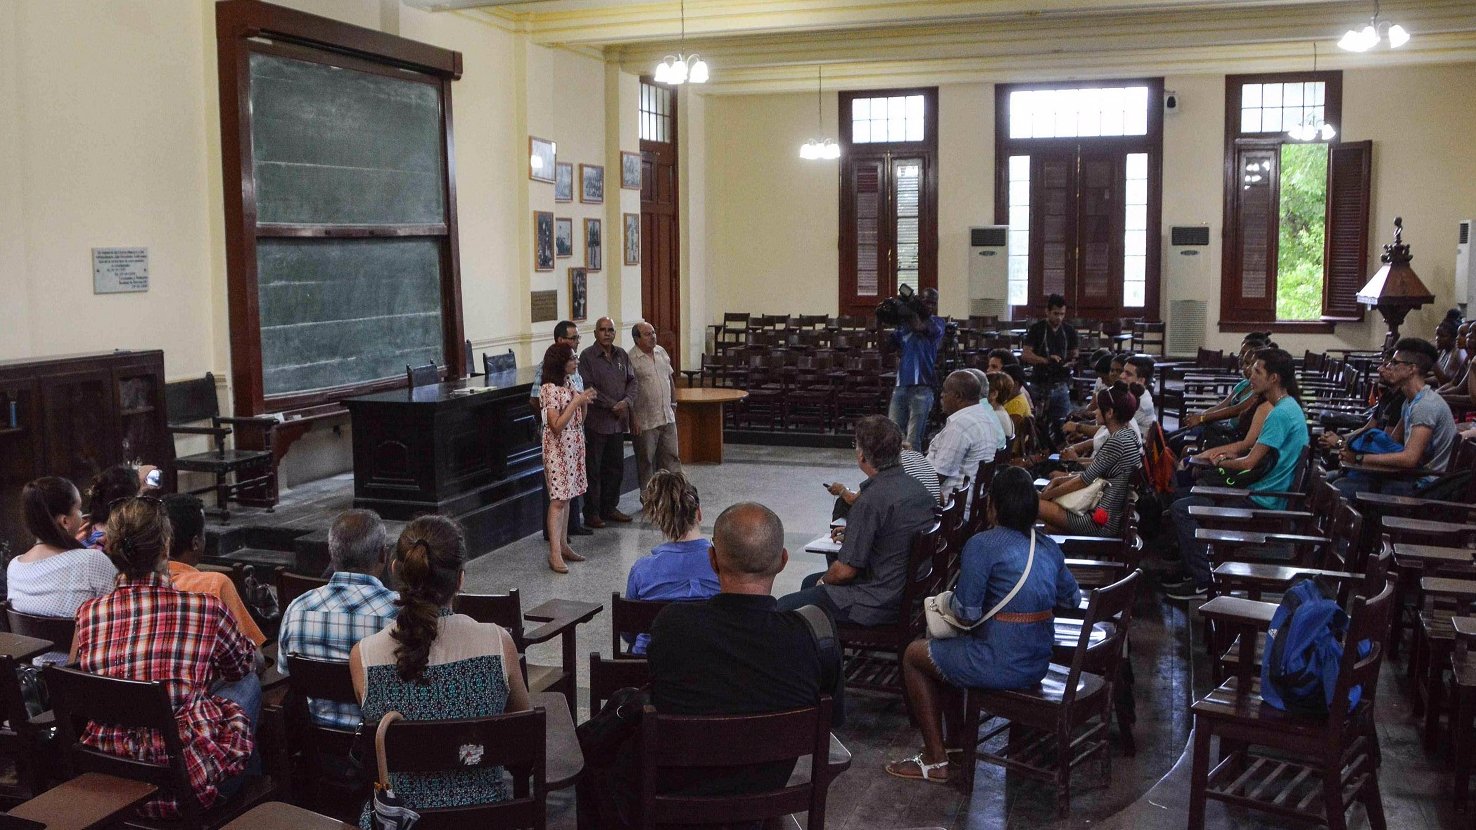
x=1186 y=270
x=988 y=269
x=1465 y=266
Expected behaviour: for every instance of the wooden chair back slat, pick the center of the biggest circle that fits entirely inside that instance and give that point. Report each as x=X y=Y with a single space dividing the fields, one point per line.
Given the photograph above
x=630 y=617
x=422 y=375
x=59 y=630
x=1368 y=623
x=191 y=401
x=606 y=676
x=505 y=610
x=290 y=586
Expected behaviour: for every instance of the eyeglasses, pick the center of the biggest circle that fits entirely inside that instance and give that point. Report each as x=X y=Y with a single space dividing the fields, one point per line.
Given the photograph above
x=1390 y=361
x=157 y=502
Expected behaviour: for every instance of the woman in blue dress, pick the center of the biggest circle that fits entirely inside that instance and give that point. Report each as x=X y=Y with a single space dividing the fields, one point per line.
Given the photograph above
x=1012 y=649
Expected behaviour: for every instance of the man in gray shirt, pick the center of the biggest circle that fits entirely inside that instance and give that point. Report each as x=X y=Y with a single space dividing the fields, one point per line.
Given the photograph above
x=1426 y=428
x=864 y=584
x=606 y=367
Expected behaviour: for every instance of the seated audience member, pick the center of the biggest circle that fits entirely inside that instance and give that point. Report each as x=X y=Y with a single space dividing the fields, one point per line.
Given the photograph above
x=1021 y=405
x=205 y=662
x=864 y=584
x=56 y=575
x=325 y=623
x=435 y=664
x=1085 y=420
x=1012 y=650
x=1004 y=434
x=186 y=546
x=914 y=464
x=1424 y=435
x=1284 y=432
x=1137 y=373
x=1383 y=415
x=970 y=435
x=1220 y=423
x=677 y=569
x=1448 y=340
x=737 y=653
x=1119 y=458
x=1462 y=388
x=1001 y=389
x=108 y=487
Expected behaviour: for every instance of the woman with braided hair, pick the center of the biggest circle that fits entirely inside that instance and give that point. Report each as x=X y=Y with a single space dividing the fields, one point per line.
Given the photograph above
x=57 y=574
x=435 y=664
x=146 y=630
x=678 y=569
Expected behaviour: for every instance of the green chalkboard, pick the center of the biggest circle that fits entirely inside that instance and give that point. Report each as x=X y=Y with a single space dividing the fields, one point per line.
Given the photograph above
x=339 y=146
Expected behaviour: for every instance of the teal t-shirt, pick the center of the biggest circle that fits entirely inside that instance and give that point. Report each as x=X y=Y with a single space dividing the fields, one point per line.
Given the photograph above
x=1285 y=430
x=1241 y=391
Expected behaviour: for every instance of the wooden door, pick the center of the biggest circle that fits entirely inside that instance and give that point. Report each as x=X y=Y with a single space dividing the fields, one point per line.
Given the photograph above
x=80 y=424
x=661 y=276
x=1077 y=203
x=888 y=207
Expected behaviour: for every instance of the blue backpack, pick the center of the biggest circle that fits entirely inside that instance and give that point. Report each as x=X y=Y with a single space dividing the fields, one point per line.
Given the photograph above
x=1299 y=668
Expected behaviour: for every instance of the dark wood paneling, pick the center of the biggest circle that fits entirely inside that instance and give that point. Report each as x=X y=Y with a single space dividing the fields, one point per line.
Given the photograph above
x=1349 y=172
x=661 y=273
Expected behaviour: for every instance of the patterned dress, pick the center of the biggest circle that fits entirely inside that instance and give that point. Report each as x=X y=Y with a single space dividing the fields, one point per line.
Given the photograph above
x=563 y=452
x=466 y=678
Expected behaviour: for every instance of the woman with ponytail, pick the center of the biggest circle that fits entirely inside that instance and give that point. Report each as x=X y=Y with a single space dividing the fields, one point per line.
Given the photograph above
x=1115 y=462
x=435 y=664
x=146 y=630
x=57 y=574
x=677 y=570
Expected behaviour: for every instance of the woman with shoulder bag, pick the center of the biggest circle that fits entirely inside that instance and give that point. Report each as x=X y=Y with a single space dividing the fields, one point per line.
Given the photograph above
x=1000 y=618
x=1067 y=505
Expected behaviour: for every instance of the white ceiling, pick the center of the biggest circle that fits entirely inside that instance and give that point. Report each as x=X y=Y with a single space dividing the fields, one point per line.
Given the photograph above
x=775 y=45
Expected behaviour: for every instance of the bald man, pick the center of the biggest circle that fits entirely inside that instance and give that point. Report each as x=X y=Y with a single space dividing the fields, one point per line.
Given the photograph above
x=970 y=435
x=606 y=368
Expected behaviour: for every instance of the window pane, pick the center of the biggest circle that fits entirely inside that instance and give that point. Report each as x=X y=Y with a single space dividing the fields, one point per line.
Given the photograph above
x=1020 y=217
x=1250 y=96
x=1019 y=114
x=1090 y=121
x=1019 y=289
x=1133 y=294
x=1019 y=268
x=1271 y=120
x=1136 y=107
x=860 y=109
x=1019 y=240
x=1271 y=97
x=1020 y=192
x=1137 y=165
x=1303 y=229
x=915 y=118
x=1137 y=192
x=1019 y=168
x=861 y=132
x=1135 y=243
x=1112 y=112
x=1250 y=121
x=1319 y=93
x=1135 y=268
x=1292 y=96
x=1044 y=120
x=1137 y=217
x=1066 y=112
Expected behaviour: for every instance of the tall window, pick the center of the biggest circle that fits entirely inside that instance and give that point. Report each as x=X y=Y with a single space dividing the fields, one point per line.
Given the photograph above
x=1296 y=210
x=656 y=110
x=889 y=195
x=1078 y=183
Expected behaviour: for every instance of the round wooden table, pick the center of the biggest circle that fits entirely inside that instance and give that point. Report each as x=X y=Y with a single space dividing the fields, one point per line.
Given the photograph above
x=700 y=422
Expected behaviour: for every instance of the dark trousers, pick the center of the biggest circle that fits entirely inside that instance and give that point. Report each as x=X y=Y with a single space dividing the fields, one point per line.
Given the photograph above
x=604 y=467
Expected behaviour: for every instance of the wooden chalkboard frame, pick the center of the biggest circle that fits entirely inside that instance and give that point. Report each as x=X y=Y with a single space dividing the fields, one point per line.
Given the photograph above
x=246 y=26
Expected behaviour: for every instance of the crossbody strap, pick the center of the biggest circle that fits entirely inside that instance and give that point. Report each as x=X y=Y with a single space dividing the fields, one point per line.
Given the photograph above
x=1019 y=585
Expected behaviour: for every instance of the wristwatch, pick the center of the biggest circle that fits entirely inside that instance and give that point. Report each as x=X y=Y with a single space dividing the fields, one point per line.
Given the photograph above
x=1358 y=458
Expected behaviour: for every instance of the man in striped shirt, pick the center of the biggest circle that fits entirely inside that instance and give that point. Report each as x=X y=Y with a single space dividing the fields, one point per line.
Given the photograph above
x=325 y=623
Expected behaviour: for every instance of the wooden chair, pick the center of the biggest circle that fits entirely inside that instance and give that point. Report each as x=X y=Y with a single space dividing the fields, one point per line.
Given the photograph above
x=496 y=364
x=78 y=698
x=1148 y=338
x=629 y=618
x=290 y=586
x=322 y=752
x=59 y=630
x=468 y=361
x=426 y=375
x=516 y=742
x=684 y=744
x=874 y=653
x=506 y=610
x=607 y=675
x=1336 y=756
x=21 y=737
x=1062 y=721
x=246 y=476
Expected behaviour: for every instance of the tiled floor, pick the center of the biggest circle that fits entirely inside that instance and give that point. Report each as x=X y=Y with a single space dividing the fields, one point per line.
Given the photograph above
x=1168 y=672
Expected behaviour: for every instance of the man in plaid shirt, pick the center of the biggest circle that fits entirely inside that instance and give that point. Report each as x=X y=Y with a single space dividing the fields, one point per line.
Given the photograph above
x=325 y=623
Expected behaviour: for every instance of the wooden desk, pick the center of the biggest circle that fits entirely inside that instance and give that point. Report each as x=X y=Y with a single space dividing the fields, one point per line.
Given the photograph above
x=274 y=815
x=700 y=423
x=22 y=649
x=561 y=618
x=565 y=759
x=476 y=456
x=1255 y=577
x=1432 y=554
x=1247 y=618
x=89 y=800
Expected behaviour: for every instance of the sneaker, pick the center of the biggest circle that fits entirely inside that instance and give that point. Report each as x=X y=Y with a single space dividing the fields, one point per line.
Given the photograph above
x=1184 y=593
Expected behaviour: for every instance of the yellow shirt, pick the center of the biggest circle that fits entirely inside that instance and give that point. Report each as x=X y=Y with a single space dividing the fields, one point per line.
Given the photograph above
x=195 y=581
x=1017 y=406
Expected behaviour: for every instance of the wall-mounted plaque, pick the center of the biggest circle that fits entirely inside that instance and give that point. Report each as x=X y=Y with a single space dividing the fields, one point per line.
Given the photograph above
x=545 y=306
x=120 y=270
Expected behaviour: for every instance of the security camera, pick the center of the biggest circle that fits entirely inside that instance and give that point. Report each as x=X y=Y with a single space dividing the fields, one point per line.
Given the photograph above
x=1170 y=101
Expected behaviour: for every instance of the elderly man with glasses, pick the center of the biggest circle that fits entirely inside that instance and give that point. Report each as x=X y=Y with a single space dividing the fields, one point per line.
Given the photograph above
x=1420 y=440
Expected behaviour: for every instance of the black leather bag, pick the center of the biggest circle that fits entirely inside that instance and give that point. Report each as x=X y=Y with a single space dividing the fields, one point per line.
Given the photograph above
x=601 y=736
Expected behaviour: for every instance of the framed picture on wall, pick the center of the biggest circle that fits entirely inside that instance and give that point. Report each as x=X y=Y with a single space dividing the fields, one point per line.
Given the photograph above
x=563 y=237
x=593 y=249
x=578 y=294
x=541 y=153
x=632 y=239
x=630 y=170
x=563 y=181
x=543 y=240
x=592 y=181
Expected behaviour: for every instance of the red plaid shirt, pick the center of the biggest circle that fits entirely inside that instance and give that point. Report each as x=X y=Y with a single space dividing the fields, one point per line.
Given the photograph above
x=146 y=630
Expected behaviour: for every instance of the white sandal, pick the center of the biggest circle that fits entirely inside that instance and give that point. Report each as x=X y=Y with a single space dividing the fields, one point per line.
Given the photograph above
x=923 y=768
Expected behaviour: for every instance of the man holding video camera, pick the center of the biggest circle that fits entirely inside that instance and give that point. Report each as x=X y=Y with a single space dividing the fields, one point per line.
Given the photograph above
x=917 y=332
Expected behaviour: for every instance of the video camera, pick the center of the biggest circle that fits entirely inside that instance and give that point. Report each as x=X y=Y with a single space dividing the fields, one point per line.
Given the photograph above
x=903 y=308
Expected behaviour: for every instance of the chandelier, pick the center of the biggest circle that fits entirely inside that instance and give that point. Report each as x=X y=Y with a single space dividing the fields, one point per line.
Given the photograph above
x=823 y=149
x=680 y=68
x=1362 y=40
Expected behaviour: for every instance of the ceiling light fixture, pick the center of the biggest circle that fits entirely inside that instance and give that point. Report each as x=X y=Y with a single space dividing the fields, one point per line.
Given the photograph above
x=679 y=69
x=823 y=149
x=1362 y=40
x=1311 y=127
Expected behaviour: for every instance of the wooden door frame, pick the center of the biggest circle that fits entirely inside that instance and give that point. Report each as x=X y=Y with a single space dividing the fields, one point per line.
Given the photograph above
x=674 y=349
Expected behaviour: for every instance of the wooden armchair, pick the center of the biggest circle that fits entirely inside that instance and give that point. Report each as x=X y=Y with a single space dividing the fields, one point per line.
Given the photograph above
x=631 y=618
x=325 y=777
x=560 y=619
x=426 y=375
x=248 y=477
x=874 y=653
x=496 y=364
x=606 y=676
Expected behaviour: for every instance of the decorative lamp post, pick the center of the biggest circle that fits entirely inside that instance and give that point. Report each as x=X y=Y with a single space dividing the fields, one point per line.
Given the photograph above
x=1395 y=290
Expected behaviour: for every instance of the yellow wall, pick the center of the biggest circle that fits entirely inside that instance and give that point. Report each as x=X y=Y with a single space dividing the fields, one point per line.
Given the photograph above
x=771 y=246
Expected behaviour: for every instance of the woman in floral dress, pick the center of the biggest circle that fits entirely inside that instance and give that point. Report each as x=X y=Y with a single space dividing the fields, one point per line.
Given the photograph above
x=563 y=448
